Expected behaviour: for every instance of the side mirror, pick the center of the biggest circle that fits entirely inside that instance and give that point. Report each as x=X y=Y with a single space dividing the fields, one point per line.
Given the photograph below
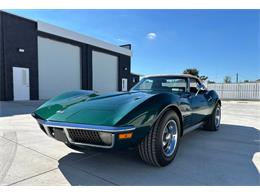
x=200 y=87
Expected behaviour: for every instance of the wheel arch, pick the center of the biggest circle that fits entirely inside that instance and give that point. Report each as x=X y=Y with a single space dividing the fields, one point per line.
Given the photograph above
x=219 y=102
x=172 y=107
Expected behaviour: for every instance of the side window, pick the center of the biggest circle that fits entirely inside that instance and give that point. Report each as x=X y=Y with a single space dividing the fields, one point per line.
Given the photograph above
x=175 y=85
x=193 y=85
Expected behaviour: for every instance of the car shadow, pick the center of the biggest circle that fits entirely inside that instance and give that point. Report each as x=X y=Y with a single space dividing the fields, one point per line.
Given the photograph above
x=224 y=157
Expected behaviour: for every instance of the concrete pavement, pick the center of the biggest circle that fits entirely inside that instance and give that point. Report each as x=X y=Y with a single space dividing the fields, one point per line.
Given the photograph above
x=230 y=156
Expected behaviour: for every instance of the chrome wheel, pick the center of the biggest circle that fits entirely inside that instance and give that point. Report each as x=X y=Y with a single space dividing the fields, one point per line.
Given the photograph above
x=169 y=138
x=217 y=116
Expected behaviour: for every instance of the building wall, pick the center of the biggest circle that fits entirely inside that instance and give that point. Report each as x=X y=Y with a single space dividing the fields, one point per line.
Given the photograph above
x=124 y=70
x=124 y=65
x=134 y=80
x=2 y=91
x=87 y=61
x=19 y=33
x=65 y=33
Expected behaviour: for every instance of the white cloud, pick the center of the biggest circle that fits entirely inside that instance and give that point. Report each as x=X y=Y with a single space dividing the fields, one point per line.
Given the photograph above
x=121 y=40
x=151 y=35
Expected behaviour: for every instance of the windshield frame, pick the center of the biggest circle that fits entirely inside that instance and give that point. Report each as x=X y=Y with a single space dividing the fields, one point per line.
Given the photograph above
x=162 y=77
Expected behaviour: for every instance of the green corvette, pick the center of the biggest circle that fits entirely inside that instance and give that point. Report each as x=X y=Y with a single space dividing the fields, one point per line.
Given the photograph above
x=152 y=116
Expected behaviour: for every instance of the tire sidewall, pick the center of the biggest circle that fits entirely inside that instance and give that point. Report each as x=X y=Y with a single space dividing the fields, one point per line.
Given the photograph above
x=214 y=116
x=162 y=159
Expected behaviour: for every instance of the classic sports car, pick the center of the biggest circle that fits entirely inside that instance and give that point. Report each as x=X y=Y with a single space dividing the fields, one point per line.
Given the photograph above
x=153 y=115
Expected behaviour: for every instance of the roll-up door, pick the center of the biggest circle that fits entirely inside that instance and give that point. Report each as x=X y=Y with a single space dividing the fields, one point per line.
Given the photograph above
x=59 y=67
x=105 y=72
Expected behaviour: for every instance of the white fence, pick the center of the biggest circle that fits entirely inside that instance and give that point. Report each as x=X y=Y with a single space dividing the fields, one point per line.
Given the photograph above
x=237 y=91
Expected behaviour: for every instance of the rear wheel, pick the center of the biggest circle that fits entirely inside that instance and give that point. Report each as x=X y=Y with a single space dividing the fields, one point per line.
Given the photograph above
x=160 y=146
x=213 y=122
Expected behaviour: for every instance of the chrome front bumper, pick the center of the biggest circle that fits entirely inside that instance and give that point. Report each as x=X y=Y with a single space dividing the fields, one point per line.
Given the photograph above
x=89 y=131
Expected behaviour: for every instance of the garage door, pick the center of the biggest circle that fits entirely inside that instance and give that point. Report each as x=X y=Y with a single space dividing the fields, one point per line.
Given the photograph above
x=105 y=72
x=59 y=67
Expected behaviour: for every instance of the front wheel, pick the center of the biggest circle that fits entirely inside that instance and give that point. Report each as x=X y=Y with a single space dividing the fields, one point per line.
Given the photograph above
x=160 y=146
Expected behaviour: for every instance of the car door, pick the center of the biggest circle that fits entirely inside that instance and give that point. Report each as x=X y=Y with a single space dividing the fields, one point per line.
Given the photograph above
x=186 y=109
x=199 y=102
x=179 y=86
x=185 y=101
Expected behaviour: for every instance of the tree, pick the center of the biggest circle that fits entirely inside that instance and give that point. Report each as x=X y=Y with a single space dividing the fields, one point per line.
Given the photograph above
x=191 y=71
x=246 y=81
x=209 y=81
x=203 y=78
x=195 y=72
x=227 y=79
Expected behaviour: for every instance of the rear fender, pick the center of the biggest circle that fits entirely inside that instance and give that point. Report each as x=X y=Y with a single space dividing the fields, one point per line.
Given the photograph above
x=213 y=99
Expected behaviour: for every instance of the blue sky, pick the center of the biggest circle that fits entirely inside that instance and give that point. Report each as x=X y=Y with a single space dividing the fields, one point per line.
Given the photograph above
x=217 y=42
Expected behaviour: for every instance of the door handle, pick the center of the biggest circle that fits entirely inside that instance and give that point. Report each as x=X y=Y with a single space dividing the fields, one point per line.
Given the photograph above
x=210 y=98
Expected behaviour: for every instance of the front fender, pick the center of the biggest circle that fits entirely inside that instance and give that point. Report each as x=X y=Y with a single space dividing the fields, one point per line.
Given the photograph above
x=144 y=115
x=62 y=101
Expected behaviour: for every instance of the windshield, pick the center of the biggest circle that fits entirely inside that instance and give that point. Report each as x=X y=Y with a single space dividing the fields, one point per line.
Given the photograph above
x=168 y=84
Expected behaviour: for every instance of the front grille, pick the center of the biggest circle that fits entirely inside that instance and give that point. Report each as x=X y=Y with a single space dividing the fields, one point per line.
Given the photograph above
x=85 y=136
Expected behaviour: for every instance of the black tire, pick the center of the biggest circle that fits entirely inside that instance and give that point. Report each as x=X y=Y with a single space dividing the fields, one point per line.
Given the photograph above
x=151 y=148
x=211 y=124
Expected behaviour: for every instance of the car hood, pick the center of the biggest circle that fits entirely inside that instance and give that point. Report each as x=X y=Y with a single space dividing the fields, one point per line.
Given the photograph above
x=93 y=109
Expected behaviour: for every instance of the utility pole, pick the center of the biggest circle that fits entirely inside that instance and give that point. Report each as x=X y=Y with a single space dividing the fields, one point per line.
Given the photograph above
x=237 y=77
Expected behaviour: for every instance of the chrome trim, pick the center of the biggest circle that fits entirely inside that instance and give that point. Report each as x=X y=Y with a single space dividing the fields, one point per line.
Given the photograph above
x=109 y=129
x=92 y=145
x=66 y=126
x=192 y=128
x=170 y=138
x=47 y=131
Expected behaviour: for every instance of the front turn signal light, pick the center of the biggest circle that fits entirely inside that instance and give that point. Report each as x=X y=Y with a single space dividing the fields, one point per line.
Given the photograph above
x=125 y=135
